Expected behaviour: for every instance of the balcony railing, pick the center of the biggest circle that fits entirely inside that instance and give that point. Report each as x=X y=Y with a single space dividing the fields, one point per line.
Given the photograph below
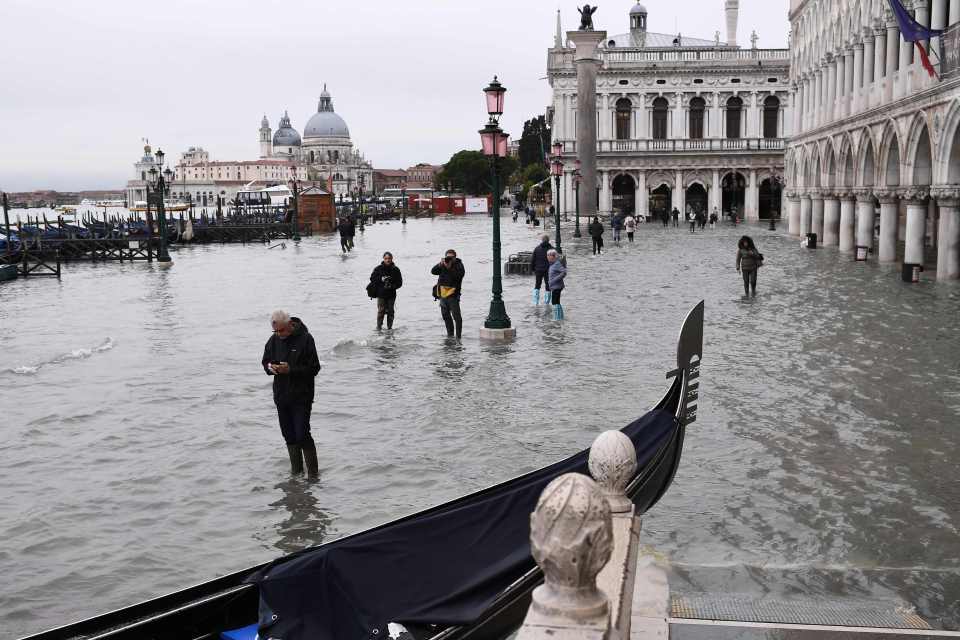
x=681 y=145
x=559 y=58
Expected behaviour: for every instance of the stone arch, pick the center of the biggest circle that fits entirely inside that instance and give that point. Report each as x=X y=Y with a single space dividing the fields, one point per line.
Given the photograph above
x=890 y=156
x=919 y=157
x=829 y=165
x=659 y=179
x=949 y=158
x=866 y=160
x=814 y=167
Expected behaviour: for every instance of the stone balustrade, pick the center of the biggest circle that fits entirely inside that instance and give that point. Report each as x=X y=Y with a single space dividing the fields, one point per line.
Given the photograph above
x=584 y=535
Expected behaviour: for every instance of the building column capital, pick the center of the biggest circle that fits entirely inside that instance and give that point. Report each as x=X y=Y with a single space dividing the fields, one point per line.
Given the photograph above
x=946 y=195
x=913 y=195
x=887 y=196
x=868 y=35
x=920 y=4
x=863 y=195
x=856 y=46
x=845 y=194
x=816 y=194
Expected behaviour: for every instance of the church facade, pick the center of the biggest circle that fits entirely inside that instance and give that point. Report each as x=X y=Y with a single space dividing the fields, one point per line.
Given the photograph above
x=686 y=123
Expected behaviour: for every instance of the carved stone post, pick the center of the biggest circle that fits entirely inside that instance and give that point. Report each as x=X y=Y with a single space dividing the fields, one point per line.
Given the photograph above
x=587 y=61
x=571 y=539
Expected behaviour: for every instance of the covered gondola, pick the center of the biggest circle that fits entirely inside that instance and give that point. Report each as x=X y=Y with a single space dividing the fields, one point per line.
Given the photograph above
x=456 y=571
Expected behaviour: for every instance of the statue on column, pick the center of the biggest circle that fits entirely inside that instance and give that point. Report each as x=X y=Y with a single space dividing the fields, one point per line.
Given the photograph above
x=586 y=17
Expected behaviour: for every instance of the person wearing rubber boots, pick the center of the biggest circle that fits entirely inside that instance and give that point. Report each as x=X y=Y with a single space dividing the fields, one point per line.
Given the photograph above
x=539 y=265
x=555 y=279
x=290 y=356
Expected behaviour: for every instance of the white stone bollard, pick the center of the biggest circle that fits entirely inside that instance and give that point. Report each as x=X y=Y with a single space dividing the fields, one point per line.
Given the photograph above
x=571 y=539
x=613 y=463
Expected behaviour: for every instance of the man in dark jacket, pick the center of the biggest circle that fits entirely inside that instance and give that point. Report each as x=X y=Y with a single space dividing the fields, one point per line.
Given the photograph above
x=385 y=281
x=345 y=227
x=596 y=232
x=539 y=265
x=676 y=217
x=290 y=356
x=451 y=272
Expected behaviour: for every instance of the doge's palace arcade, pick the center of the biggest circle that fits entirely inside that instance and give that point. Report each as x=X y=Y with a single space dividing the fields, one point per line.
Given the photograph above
x=875 y=161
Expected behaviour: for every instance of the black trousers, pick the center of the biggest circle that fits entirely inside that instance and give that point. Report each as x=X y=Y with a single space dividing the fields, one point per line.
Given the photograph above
x=597 y=245
x=450 y=311
x=344 y=244
x=295 y=422
x=385 y=307
x=556 y=296
x=541 y=279
x=749 y=280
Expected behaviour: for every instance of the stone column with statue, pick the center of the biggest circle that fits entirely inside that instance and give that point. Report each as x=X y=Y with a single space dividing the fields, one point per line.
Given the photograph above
x=587 y=61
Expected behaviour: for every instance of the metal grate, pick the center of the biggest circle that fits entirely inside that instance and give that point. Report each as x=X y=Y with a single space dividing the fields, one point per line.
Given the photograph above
x=813 y=611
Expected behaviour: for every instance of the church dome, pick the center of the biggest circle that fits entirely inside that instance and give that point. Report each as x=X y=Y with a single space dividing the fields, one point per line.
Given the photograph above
x=325 y=123
x=286 y=135
x=638 y=8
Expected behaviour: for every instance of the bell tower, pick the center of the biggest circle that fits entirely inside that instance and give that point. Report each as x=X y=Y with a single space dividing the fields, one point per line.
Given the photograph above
x=638 y=25
x=266 y=141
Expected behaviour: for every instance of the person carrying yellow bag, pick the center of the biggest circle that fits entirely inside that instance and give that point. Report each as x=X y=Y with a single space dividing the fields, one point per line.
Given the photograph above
x=447 y=290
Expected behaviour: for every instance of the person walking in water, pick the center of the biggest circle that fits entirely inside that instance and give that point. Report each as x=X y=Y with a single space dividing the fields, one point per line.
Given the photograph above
x=631 y=226
x=447 y=290
x=676 y=217
x=748 y=261
x=290 y=356
x=692 y=219
x=384 y=282
x=596 y=232
x=540 y=265
x=345 y=238
x=555 y=277
x=617 y=225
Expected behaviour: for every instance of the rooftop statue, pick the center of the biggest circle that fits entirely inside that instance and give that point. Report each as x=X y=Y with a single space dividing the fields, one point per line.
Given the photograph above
x=586 y=17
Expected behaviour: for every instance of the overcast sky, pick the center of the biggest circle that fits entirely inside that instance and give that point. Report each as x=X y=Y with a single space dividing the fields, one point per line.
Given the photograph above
x=83 y=82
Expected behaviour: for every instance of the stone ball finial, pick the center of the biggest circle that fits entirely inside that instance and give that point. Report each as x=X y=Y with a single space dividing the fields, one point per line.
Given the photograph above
x=571 y=538
x=613 y=463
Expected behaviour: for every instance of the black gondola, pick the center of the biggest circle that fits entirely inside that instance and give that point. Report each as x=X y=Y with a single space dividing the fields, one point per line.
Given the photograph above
x=239 y=600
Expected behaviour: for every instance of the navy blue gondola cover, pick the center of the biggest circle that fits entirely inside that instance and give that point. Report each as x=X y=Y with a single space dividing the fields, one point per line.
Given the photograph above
x=443 y=566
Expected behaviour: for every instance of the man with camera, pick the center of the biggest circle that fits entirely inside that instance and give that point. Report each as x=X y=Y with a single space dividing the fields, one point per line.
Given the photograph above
x=447 y=290
x=384 y=282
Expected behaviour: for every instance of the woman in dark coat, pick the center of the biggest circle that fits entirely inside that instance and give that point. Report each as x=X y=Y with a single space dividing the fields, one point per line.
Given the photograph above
x=748 y=261
x=596 y=232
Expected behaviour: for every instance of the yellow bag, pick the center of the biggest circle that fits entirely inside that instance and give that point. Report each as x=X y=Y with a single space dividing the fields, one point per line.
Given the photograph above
x=446 y=292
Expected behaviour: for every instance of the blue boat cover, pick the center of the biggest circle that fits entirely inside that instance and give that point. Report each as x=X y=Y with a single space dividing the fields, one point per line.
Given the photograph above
x=246 y=633
x=444 y=566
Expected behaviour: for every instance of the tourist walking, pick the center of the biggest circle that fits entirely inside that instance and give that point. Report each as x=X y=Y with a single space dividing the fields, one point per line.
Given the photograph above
x=617 y=225
x=692 y=219
x=701 y=219
x=540 y=265
x=290 y=356
x=630 y=224
x=384 y=282
x=345 y=227
x=676 y=217
x=749 y=260
x=555 y=279
x=447 y=290
x=713 y=219
x=665 y=217
x=596 y=232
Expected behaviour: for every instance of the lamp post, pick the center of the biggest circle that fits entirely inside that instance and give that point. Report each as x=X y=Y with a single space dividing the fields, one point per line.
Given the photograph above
x=577 y=177
x=160 y=180
x=403 y=196
x=556 y=168
x=294 y=183
x=494 y=142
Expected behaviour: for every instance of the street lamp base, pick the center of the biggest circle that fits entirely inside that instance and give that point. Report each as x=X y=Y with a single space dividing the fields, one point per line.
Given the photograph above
x=498 y=335
x=577 y=234
x=166 y=261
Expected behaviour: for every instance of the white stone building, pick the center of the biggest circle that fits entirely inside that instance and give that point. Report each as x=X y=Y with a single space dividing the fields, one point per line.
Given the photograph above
x=876 y=136
x=681 y=121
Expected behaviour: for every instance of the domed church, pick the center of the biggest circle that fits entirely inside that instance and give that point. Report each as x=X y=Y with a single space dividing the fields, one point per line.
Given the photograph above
x=326 y=148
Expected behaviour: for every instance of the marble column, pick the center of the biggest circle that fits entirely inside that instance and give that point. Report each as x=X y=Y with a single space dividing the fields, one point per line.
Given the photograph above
x=879 y=54
x=865 y=219
x=847 y=217
x=906 y=59
x=816 y=218
x=716 y=194
x=606 y=199
x=857 y=77
x=797 y=108
x=889 y=225
x=948 y=234
x=868 y=61
x=841 y=83
x=806 y=211
x=818 y=98
x=848 y=65
x=793 y=221
x=752 y=204
x=831 y=221
x=938 y=20
x=830 y=108
x=954 y=16
x=680 y=196
x=641 y=198
x=916 y=225
x=890 y=68
x=587 y=62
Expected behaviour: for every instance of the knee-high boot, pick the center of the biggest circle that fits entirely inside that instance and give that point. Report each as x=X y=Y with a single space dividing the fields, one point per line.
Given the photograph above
x=310 y=457
x=546 y=297
x=296 y=458
x=536 y=296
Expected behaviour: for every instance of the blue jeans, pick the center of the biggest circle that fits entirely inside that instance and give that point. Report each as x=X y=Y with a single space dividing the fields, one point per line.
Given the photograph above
x=295 y=422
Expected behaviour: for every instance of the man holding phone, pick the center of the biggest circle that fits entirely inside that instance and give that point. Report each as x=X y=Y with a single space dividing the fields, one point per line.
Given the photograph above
x=447 y=290
x=290 y=356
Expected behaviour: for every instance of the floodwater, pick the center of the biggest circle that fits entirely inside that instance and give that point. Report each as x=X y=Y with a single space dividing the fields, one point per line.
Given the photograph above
x=139 y=451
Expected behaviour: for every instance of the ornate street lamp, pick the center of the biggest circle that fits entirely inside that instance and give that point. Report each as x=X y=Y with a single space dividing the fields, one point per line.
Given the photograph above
x=159 y=181
x=294 y=183
x=494 y=144
x=556 y=169
x=577 y=177
x=403 y=196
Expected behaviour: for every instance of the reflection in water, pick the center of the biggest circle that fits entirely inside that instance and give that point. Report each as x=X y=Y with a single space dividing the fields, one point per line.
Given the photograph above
x=306 y=524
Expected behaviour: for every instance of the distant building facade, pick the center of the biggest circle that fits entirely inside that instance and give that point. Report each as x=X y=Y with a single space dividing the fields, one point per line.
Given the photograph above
x=682 y=122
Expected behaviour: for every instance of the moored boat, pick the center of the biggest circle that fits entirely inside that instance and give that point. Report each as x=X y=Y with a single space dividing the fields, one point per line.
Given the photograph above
x=455 y=571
